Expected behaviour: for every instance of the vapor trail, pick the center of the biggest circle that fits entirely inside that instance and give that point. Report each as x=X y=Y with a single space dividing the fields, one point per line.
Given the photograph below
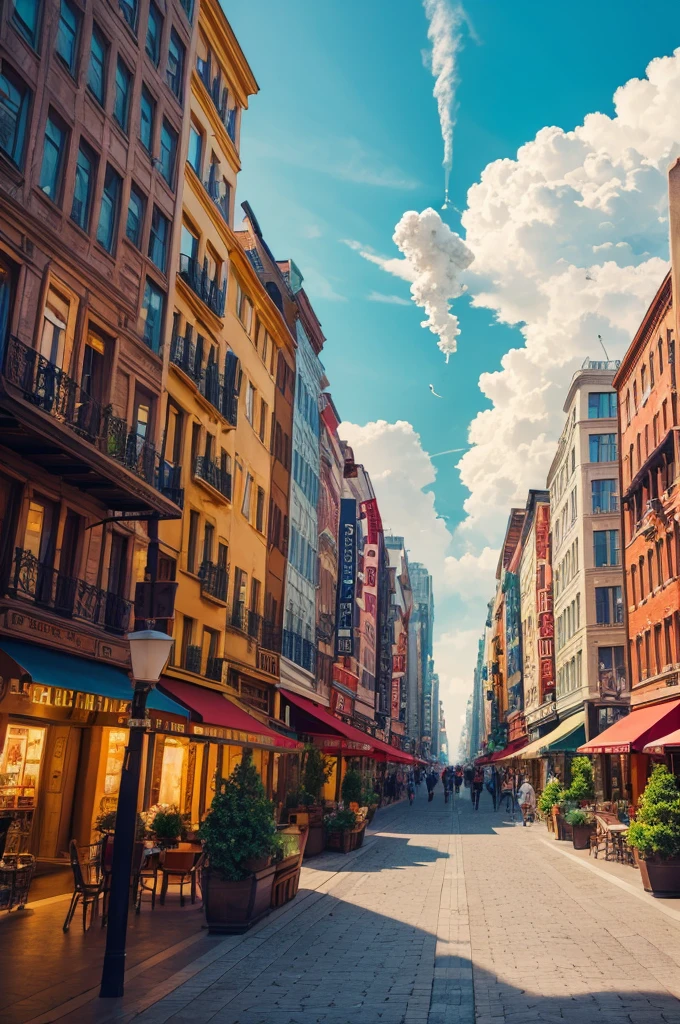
x=445 y=35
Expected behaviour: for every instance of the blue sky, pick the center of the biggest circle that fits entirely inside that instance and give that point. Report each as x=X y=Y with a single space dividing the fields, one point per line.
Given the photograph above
x=344 y=137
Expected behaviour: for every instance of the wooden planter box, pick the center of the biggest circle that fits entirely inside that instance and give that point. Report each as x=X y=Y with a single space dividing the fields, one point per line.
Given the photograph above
x=345 y=842
x=581 y=835
x=231 y=908
x=660 y=875
x=287 y=877
x=564 y=829
x=313 y=818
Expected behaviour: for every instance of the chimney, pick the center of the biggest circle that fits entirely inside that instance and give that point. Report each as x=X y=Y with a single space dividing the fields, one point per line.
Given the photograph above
x=674 y=238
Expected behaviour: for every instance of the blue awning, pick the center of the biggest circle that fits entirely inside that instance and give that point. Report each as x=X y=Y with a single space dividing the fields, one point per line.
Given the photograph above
x=52 y=668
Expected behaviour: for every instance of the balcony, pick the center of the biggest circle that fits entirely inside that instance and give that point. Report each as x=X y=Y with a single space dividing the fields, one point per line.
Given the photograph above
x=214 y=580
x=192 y=658
x=47 y=417
x=206 y=288
x=299 y=650
x=67 y=596
x=238 y=616
x=219 y=194
x=213 y=669
x=219 y=94
x=218 y=389
x=170 y=483
x=213 y=474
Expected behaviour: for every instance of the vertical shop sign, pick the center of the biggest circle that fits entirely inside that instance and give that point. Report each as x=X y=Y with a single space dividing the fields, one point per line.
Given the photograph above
x=344 y=637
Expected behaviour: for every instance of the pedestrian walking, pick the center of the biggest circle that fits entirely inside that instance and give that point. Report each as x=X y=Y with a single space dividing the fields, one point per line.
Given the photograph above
x=490 y=783
x=526 y=798
x=468 y=773
x=477 y=787
x=446 y=780
x=507 y=791
x=431 y=781
x=411 y=789
x=458 y=778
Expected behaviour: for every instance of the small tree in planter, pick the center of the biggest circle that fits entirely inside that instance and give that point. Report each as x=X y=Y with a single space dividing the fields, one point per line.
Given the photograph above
x=582 y=787
x=239 y=838
x=352 y=787
x=549 y=801
x=655 y=834
x=316 y=770
x=167 y=825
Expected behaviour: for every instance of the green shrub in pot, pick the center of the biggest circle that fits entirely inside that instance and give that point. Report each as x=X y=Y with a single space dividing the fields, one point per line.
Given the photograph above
x=167 y=824
x=316 y=771
x=656 y=828
x=352 y=787
x=551 y=795
x=240 y=826
x=577 y=817
x=343 y=821
x=582 y=785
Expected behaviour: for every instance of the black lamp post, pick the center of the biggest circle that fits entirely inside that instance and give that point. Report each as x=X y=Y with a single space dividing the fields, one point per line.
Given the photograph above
x=149 y=652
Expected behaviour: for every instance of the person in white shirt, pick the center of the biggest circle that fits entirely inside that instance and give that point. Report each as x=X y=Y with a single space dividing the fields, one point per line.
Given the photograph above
x=526 y=798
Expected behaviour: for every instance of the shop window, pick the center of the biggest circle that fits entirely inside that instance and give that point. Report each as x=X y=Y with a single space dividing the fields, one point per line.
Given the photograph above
x=115 y=757
x=96 y=72
x=20 y=763
x=172 y=772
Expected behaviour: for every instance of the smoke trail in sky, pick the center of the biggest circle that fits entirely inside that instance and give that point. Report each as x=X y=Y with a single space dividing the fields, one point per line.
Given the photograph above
x=444 y=33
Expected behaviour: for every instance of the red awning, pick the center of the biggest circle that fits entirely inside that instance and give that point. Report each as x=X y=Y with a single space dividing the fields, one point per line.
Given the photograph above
x=659 y=746
x=508 y=751
x=338 y=737
x=484 y=759
x=219 y=718
x=386 y=752
x=635 y=730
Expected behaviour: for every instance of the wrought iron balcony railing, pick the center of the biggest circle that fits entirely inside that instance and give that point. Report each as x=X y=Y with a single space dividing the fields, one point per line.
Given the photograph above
x=296 y=648
x=213 y=474
x=208 y=289
x=214 y=580
x=192 y=658
x=219 y=94
x=49 y=388
x=67 y=595
x=213 y=669
x=170 y=483
x=183 y=355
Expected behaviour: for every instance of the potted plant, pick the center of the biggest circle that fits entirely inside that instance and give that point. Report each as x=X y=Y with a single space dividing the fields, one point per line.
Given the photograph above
x=305 y=804
x=582 y=828
x=239 y=839
x=654 y=835
x=582 y=788
x=352 y=787
x=167 y=825
x=369 y=799
x=548 y=802
x=341 y=831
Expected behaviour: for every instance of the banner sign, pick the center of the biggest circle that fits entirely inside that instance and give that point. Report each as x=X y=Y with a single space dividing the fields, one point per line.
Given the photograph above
x=343 y=691
x=544 y=604
x=344 y=636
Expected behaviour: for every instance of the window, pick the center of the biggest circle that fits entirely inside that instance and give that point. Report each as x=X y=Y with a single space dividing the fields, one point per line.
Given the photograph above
x=121 y=103
x=651 y=369
x=152 y=314
x=188 y=243
x=135 y=217
x=611 y=668
x=601 y=405
x=158 y=238
x=96 y=72
x=605 y=496
x=67 y=35
x=154 y=31
x=147 y=112
x=193 y=540
x=86 y=172
x=250 y=403
x=608 y=606
x=244 y=308
x=94 y=363
x=108 y=212
x=195 y=150
x=56 y=315
x=606 y=547
x=54 y=152
x=175 y=69
x=247 y=493
x=264 y=415
x=259 y=511
x=26 y=18
x=130 y=11
x=14 y=101
x=168 y=152
x=602 y=447
x=660 y=357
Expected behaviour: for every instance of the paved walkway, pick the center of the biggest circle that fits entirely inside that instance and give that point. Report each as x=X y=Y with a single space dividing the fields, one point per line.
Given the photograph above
x=445 y=915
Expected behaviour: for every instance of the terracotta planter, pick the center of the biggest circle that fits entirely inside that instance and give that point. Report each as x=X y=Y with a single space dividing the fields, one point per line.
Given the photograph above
x=660 y=875
x=231 y=908
x=581 y=835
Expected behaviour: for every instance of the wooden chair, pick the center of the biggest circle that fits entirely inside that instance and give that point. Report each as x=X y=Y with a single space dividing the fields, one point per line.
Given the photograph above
x=180 y=867
x=147 y=878
x=88 y=881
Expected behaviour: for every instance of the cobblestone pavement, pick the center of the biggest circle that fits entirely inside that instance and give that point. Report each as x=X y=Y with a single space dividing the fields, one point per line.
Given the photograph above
x=445 y=916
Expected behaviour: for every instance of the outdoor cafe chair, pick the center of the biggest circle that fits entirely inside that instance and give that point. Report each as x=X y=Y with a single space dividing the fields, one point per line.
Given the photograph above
x=180 y=867
x=147 y=877
x=88 y=881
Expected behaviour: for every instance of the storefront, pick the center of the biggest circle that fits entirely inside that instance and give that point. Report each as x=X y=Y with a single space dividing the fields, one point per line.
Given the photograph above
x=625 y=747
x=63 y=722
x=552 y=753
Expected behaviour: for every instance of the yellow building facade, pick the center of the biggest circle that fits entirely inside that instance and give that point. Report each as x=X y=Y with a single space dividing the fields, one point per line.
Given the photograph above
x=226 y=334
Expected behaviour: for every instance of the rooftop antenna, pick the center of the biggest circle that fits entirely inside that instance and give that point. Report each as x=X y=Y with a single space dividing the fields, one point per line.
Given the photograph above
x=599 y=338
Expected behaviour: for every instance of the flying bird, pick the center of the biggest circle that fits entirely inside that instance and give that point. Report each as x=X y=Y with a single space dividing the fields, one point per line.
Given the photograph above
x=431 y=387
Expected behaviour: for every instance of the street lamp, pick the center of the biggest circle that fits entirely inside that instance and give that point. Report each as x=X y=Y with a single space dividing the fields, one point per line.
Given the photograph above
x=149 y=652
